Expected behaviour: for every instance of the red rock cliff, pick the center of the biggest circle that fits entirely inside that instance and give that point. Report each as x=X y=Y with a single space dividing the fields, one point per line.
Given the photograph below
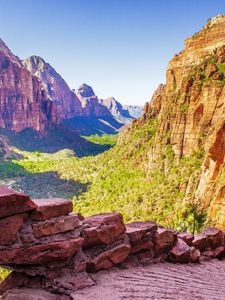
x=23 y=102
x=190 y=109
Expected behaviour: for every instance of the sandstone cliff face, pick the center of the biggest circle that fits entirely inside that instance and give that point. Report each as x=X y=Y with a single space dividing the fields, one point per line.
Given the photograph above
x=66 y=102
x=190 y=109
x=90 y=102
x=23 y=102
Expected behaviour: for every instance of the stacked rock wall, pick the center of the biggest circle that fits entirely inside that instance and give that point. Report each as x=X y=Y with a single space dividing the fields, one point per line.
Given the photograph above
x=52 y=249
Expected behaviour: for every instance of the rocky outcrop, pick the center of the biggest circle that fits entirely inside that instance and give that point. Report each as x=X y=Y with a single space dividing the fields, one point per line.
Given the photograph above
x=23 y=102
x=189 y=109
x=90 y=102
x=53 y=251
x=65 y=101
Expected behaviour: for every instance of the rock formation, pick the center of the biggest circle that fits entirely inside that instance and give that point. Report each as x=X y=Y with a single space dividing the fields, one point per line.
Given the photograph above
x=33 y=95
x=190 y=112
x=90 y=103
x=23 y=102
x=54 y=251
x=66 y=103
x=116 y=108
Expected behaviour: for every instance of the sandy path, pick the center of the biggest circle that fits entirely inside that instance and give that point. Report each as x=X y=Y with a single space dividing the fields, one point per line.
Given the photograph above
x=159 y=281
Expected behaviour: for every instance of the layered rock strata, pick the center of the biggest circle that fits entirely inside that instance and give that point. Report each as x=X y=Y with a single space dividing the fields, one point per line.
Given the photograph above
x=190 y=111
x=54 y=251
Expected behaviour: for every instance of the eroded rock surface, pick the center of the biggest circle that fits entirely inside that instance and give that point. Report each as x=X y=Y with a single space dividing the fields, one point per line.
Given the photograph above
x=55 y=252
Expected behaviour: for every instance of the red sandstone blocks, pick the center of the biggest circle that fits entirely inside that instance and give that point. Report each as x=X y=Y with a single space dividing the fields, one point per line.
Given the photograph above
x=56 y=225
x=182 y=253
x=109 y=258
x=102 y=229
x=164 y=240
x=9 y=227
x=141 y=235
x=200 y=242
x=52 y=207
x=215 y=236
x=138 y=231
x=186 y=237
x=41 y=254
x=12 y=202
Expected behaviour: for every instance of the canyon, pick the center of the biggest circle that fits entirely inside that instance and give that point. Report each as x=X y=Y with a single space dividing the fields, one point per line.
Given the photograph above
x=151 y=207
x=34 y=97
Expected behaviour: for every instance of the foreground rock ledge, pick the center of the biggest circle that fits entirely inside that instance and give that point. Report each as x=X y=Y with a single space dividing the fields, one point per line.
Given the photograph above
x=52 y=251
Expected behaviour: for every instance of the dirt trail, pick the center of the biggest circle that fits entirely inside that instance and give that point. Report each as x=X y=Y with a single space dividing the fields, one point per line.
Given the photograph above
x=159 y=281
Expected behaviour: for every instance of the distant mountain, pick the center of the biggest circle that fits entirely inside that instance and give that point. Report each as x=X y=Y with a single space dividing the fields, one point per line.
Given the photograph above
x=34 y=97
x=89 y=102
x=136 y=111
x=65 y=101
x=116 y=108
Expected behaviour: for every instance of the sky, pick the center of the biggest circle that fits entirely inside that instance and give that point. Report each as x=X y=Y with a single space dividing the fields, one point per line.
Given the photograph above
x=119 y=47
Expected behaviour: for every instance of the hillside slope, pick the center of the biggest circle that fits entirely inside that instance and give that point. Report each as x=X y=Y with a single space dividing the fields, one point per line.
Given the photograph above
x=169 y=165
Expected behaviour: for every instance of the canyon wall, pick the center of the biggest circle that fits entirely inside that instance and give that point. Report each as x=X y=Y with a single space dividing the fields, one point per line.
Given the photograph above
x=52 y=251
x=23 y=102
x=65 y=101
x=190 y=111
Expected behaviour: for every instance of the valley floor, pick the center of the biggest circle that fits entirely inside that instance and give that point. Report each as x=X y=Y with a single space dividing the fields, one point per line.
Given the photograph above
x=203 y=281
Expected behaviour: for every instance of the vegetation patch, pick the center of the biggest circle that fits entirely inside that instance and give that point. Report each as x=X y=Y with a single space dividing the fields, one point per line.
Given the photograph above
x=104 y=139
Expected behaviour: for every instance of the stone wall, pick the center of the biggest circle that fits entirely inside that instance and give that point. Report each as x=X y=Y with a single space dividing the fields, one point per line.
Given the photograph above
x=52 y=249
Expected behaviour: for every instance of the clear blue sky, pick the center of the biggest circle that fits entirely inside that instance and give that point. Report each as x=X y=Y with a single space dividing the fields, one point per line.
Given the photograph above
x=119 y=47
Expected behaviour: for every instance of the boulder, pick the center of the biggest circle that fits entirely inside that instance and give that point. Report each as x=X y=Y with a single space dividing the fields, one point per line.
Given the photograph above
x=143 y=245
x=180 y=253
x=164 y=240
x=141 y=235
x=56 y=225
x=102 y=229
x=109 y=258
x=9 y=227
x=50 y=208
x=186 y=237
x=13 y=202
x=139 y=231
x=200 y=242
x=41 y=254
x=215 y=237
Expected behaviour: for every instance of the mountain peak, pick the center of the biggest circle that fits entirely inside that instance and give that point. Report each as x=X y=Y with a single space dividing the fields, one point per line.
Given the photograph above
x=116 y=108
x=85 y=91
x=36 y=61
x=4 y=49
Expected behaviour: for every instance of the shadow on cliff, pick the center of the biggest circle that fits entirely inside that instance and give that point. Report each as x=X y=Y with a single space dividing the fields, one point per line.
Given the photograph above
x=39 y=185
x=56 y=139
